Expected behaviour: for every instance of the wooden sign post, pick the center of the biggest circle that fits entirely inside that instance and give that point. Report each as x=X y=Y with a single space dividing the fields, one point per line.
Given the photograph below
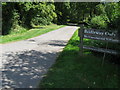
x=81 y=33
x=94 y=34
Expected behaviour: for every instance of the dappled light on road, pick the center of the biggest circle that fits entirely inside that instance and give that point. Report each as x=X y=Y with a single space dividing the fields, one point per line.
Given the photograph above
x=26 y=67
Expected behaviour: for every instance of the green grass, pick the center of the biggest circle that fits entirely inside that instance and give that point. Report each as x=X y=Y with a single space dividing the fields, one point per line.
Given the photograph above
x=74 y=71
x=25 y=34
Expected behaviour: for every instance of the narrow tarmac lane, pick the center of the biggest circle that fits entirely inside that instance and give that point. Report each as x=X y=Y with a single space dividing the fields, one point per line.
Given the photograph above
x=24 y=63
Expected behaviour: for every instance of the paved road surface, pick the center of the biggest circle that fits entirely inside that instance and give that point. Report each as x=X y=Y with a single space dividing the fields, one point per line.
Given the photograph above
x=24 y=63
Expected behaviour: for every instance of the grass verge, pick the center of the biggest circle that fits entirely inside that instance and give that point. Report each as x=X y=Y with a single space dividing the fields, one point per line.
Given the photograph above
x=74 y=71
x=28 y=33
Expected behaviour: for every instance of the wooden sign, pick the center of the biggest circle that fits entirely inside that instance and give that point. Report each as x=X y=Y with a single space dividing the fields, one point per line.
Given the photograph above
x=103 y=50
x=107 y=36
x=101 y=35
x=101 y=32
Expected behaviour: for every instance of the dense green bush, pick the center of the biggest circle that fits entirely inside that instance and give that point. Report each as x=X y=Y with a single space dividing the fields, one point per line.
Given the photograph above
x=15 y=21
x=7 y=15
x=26 y=14
x=113 y=14
x=98 y=22
x=100 y=9
x=44 y=14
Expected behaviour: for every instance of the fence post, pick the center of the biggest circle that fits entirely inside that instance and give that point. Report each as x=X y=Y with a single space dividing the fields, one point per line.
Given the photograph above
x=81 y=34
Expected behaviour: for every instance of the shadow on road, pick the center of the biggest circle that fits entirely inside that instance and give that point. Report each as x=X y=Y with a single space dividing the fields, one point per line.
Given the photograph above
x=26 y=68
x=56 y=43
